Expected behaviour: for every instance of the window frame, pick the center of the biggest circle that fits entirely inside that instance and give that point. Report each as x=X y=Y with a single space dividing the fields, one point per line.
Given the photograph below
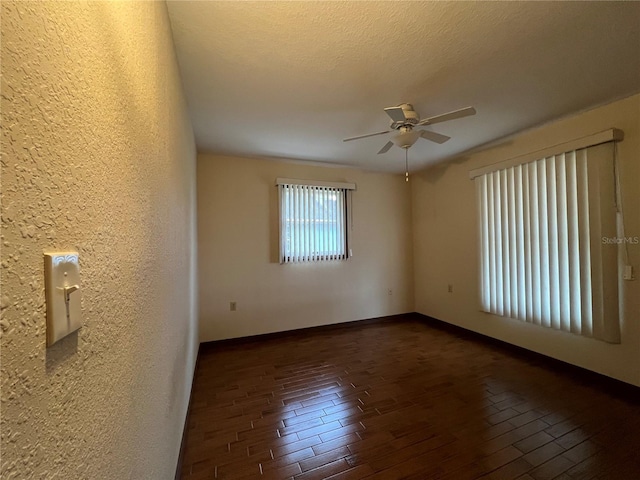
x=343 y=188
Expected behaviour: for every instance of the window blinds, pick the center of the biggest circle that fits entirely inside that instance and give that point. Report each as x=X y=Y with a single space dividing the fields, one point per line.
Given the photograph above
x=542 y=258
x=313 y=221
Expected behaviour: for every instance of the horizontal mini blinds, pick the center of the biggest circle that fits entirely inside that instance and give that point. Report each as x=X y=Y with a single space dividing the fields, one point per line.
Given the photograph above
x=541 y=253
x=313 y=223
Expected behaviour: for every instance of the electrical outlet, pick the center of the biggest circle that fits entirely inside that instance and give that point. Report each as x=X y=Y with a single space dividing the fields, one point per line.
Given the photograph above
x=390 y=292
x=232 y=306
x=450 y=288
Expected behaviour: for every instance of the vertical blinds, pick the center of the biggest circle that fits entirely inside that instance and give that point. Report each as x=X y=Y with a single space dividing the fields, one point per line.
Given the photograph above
x=313 y=223
x=541 y=255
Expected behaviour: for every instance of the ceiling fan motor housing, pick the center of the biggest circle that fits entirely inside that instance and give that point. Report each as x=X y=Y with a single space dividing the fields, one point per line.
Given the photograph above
x=410 y=117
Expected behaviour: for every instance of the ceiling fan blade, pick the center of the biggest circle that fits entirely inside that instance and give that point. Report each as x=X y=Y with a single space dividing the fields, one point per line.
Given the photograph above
x=365 y=136
x=463 y=112
x=396 y=114
x=386 y=147
x=433 y=136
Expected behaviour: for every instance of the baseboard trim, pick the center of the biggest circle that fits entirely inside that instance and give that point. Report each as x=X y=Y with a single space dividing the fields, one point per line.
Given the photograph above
x=332 y=327
x=582 y=375
x=185 y=428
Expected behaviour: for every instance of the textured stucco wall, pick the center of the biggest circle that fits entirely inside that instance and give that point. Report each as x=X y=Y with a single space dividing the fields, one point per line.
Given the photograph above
x=97 y=156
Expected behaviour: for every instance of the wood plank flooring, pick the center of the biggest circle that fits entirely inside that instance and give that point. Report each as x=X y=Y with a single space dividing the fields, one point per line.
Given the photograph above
x=401 y=400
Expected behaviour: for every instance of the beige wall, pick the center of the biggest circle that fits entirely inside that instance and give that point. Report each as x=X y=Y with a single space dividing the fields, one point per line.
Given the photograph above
x=97 y=156
x=445 y=244
x=238 y=251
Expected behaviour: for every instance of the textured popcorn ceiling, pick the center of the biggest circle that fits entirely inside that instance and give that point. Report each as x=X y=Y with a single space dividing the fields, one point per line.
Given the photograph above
x=97 y=156
x=291 y=79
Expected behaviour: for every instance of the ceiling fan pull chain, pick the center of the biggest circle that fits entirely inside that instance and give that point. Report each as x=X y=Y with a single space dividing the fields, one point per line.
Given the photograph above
x=406 y=164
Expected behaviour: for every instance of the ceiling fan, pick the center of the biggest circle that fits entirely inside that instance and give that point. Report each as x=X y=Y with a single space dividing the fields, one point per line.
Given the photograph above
x=404 y=118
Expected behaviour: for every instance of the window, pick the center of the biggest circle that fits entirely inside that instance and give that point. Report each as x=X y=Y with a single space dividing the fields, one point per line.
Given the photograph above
x=541 y=224
x=313 y=220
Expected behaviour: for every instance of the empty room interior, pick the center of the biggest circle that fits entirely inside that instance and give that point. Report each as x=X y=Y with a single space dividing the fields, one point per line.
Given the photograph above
x=320 y=240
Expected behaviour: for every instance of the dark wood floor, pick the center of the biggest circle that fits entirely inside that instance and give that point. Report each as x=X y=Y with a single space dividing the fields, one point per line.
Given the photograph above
x=406 y=400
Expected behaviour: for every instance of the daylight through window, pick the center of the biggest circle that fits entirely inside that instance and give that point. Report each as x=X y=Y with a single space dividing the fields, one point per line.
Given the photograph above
x=542 y=259
x=313 y=222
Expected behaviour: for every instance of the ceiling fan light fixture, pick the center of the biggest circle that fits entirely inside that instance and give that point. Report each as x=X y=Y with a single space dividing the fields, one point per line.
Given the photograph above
x=406 y=139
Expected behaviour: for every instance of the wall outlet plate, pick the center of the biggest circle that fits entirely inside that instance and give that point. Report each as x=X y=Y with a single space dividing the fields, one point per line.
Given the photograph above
x=62 y=293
